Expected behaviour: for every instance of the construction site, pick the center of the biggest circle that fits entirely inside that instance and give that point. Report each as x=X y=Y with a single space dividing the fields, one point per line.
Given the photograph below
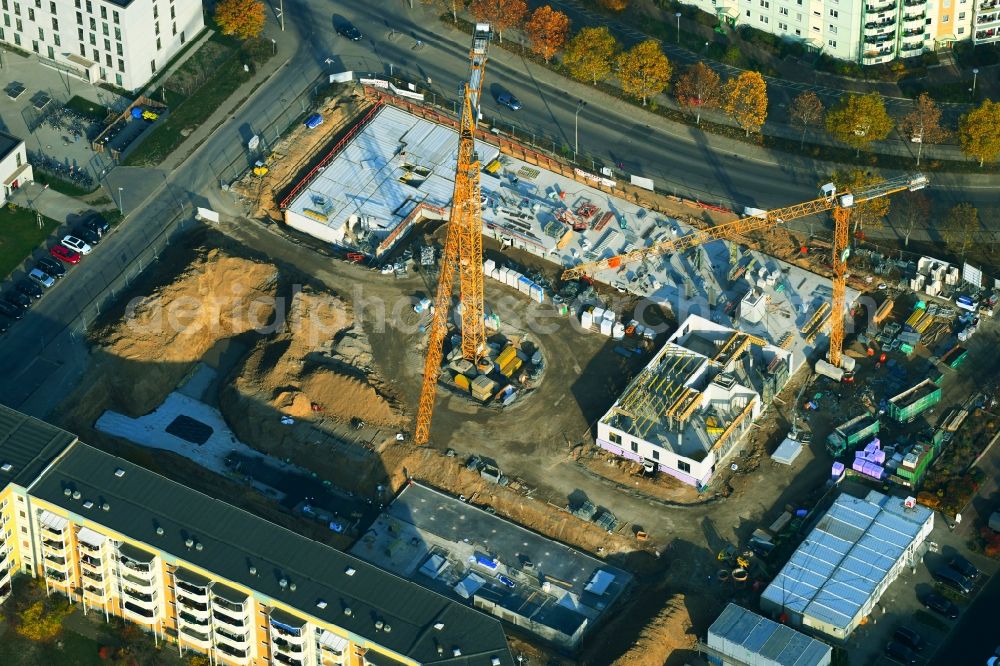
x=609 y=395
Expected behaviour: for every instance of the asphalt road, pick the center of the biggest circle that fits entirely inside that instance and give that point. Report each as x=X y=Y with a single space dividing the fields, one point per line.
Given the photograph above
x=680 y=159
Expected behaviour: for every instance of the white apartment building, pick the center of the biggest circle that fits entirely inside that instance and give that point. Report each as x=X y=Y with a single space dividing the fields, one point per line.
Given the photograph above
x=868 y=32
x=124 y=43
x=15 y=170
x=986 y=21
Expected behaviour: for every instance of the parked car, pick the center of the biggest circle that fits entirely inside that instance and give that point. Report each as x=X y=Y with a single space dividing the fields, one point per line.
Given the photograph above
x=18 y=298
x=951 y=578
x=314 y=121
x=29 y=289
x=77 y=244
x=347 y=29
x=964 y=567
x=911 y=638
x=64 y=253
x=508 y=100
x=51 y=267
x=41 y=278
x=10 y=310
x=901 y=653
x=939 y=604
x=88 y=235
x=4 y=325
x=97 y=224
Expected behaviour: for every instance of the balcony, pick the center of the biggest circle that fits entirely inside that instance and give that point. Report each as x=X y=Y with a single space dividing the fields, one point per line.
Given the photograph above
x=95 y=593
x=5 y=591
x=192 y=591
x=55 y=562
x=89 y=562
x=987 y=5
x=56 y=576
x=876 y=41
x=236 y=609
x=228 y=621
x=190 y=604
x=89 y=547
x=912 y=18
x=191 y=619
x=285 y=659
x=988 y=19
x=143 y=584
x=138 y=596
x=93 y=575
x=195 y=637
x=48 y=530
x=880 y=9
x=989 y=35
x=286 y=646
x=54 y=544
x=232 y=653
x=140 y=568
x=139 y=614
x=234 y=640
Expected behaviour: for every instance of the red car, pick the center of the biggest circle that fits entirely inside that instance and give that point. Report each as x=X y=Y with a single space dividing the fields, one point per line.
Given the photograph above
x=66 y=254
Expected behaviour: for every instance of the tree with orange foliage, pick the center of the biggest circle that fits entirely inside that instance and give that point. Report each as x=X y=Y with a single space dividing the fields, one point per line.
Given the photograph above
x=500 y=14
x=744 y=99
x=547 y=31
x=614 y=5
x=644 y=71
x=697 y=89
x=241 y=18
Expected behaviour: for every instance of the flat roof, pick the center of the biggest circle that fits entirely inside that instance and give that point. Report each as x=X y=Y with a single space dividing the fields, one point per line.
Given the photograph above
x=847 y=557
x=233 y=540
x=435 y=539
x=737 y=630
x=27 y=445
x=8 y=142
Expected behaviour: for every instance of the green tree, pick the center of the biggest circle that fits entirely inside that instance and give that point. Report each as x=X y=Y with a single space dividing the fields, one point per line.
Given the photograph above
x=744 y=99
x=590 y=54
x=923 y=124
x=979 y=132
x=806 y=112
x=859 y=120
x=241 y=18
x=960 y=228
x=644 y=71
x=869 y=214
x=698 y=89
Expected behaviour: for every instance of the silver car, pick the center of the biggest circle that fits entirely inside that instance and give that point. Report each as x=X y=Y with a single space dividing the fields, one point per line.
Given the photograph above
x=41 y=278
x=78 y=244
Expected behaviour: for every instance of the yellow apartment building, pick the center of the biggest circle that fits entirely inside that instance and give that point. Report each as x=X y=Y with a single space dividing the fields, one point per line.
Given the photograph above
x=117 y=539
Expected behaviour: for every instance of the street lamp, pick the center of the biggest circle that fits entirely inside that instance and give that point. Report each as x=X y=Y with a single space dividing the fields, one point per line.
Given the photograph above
x=678 y=15
x=576 y=124
x=274 y=47
x=975 y=73
x=121 y=202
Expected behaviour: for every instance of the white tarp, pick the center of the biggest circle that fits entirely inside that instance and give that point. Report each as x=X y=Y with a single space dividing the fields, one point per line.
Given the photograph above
x=787 y=452
x=434 y=565
x=207 y=214
x=599 y=582
x=639 y=181
x=468 y=585
x=342 y=77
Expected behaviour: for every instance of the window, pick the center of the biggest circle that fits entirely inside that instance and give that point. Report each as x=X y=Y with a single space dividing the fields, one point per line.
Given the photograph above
x=83 y=51
x=834 y=13
x=946 y=4
x=614 y=438
x=833 y=29
x=107 y=60
x=683 y=466
x=104 y=13
x=798 y=16
x=635 y=447
x=815 y=28
x=93 y=39
x=748 y=13
x=114 y=15
x=156 y=12
x=961 y=30
x=17 y=9
x=18 y=25
x=158 y=45
x=783 y=11
x=832 y=42
x=104 y=29
x=90 y=7
x=5 y=7
x=118 y=48
x=55 y=38
x=6 y=20
x=174 y=29
x=93 y=25
x=34 y=46
x=107 y=44
x=765 y=4
x=96 y=54
x=55 y=23
x=52 y=7
x=51 y=52
x=763 y=19
x=656 y=454
x=121 y=65
x=173 y=12
x=118 y=33
x=79 y=34
x=31 y=14
x=79 y=18
x=77 y=4
x=118 y=79
x=17 y=159
x=182 y=36
x=41 y=35
x=945 y=19
x=156 y=28
x=961 y=16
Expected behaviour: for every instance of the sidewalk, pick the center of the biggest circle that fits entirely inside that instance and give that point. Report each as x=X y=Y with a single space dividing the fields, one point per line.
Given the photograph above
x=60 y=207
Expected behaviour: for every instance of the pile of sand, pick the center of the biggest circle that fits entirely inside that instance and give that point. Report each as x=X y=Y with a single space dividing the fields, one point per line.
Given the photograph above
x=165 y=333
x=668 y=632
x=317 y=368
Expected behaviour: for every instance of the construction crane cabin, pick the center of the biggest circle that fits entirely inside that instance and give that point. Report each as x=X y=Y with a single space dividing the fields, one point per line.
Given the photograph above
x=463 y=250
x=840 y=203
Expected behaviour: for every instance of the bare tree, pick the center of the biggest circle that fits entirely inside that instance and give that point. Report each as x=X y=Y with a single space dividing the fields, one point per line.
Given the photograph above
x=911 y=208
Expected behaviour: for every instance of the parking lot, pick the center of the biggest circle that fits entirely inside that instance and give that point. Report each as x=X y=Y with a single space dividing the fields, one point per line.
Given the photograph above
x=33 y=91
x=901 y=606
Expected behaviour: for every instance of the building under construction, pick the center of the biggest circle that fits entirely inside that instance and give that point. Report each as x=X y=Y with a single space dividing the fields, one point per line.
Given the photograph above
x=689 y=407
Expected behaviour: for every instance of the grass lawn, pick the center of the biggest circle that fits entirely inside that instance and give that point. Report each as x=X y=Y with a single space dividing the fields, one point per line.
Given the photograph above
x=226 y=77
x=85 y=107
x=69 y=648
x=19 y=235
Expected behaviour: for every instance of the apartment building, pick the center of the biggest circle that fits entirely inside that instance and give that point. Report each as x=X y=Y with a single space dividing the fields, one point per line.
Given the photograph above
x=15 y=170
x=868 y=32
x=119 y=540
x=986 y=21
x=123 y=42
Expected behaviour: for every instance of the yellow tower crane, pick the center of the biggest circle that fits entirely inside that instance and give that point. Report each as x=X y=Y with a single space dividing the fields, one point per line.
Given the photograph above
x=839 y=202
x=463 y=250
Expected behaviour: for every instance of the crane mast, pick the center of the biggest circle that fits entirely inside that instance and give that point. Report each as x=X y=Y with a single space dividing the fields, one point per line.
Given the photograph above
x=463 y=252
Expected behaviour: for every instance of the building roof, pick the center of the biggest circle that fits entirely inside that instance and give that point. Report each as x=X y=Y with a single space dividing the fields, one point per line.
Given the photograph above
x=847 y=557
x=739 y=633
x=8 y=142
x=28 y=446
x=233 y=540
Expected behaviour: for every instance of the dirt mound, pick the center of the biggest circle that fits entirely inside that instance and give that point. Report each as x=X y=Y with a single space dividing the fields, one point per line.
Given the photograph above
x=666 y=633
x=164 y=334
x=317 y=368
